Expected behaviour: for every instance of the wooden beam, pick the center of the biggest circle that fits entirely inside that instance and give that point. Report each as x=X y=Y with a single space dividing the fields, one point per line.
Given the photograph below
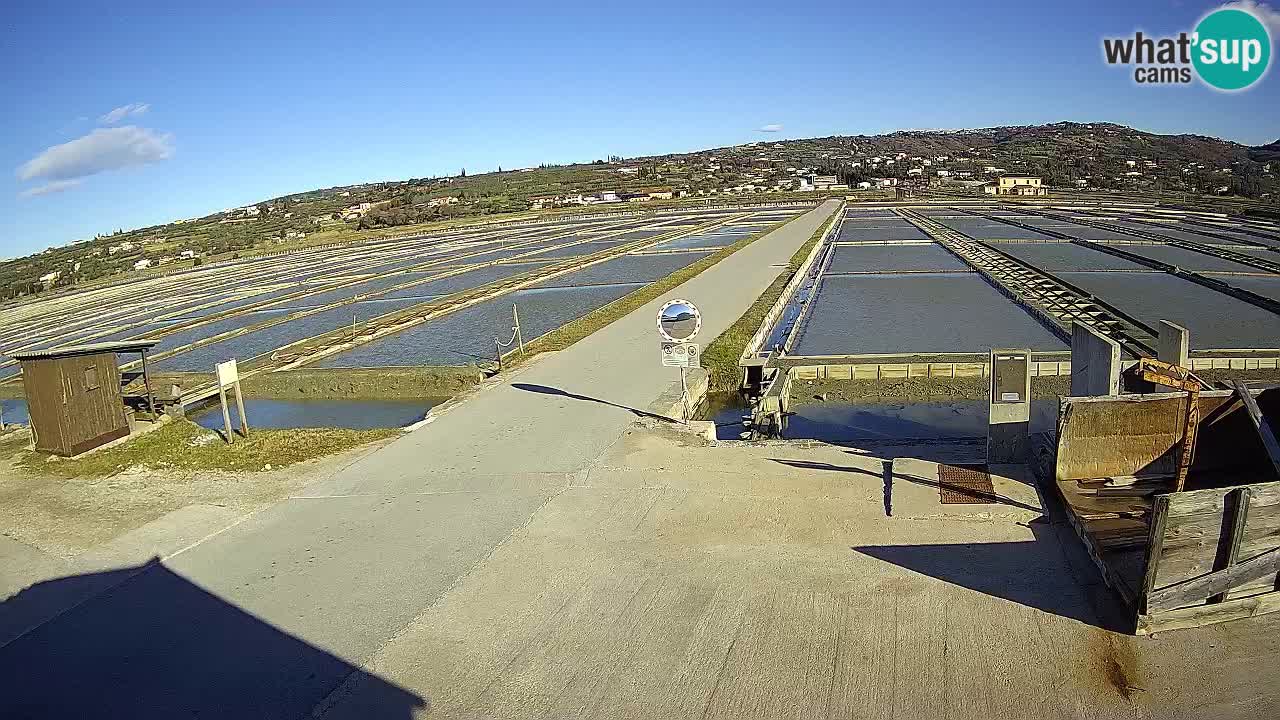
x=1155 y=546
x=1199 y=615
x=226 y=416
x=1235 y=515
x=244 y=421
x=1187 y=449
x=146 y=380
x=1260 y=424
x=1197 y=589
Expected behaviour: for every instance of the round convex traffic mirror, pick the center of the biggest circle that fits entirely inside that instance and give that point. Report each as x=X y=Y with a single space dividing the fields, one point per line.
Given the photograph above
x=679 y=321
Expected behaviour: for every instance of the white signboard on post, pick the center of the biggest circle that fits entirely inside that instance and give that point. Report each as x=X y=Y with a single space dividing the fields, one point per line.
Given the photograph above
x=228 y=373
x=679 y=322
x=229 y=379
x=681 y=355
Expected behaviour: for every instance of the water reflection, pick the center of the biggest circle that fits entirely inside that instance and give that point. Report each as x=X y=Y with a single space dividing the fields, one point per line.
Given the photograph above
x=351 y=414
x=840 y=422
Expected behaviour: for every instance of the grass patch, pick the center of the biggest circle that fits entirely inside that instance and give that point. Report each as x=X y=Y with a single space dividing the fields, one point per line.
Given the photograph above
x=572 y=332
x=184 y=445
x=720 y=358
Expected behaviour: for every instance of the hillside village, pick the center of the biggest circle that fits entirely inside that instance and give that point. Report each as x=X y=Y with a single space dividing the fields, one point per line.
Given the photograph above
x=1071 y=157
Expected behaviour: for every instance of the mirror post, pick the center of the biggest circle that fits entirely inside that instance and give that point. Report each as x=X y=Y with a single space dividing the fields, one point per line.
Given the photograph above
x=684 y=399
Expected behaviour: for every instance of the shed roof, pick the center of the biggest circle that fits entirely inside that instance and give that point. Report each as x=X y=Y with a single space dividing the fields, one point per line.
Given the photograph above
x=91 y=349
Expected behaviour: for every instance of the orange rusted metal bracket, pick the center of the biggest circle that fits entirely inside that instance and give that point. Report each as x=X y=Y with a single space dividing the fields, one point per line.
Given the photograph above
x=1176 y=376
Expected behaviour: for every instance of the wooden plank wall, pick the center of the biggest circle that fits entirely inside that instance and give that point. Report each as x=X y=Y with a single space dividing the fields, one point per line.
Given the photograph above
x=96 y=413
x=1198 y=534
x=43 y=386
x=1215 y=556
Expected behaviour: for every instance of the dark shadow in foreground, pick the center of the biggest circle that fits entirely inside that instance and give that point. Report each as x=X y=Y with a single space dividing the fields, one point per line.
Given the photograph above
x=1034 y=573
x=159 y=646
x=545 y=390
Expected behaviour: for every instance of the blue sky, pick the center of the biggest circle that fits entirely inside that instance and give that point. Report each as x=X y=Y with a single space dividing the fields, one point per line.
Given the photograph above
x=231 y=103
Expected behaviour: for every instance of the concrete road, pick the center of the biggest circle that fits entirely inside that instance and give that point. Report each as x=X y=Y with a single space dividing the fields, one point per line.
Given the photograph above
x=786 y=581
x=269 y=617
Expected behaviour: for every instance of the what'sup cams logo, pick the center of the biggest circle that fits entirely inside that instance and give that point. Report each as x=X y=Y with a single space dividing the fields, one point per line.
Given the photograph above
x=1230 y=49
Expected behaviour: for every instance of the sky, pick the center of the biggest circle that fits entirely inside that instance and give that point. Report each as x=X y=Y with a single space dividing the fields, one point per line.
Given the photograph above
x=128 y=114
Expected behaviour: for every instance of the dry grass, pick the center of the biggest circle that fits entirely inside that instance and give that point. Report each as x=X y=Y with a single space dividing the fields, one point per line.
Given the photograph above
x=184 y=445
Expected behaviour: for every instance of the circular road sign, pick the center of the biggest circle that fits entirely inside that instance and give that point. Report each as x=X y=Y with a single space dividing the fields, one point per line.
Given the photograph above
x=679 y=321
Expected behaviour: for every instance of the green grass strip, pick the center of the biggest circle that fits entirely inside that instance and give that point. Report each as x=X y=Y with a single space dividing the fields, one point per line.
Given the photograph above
x=720 y=358
x=572 y=332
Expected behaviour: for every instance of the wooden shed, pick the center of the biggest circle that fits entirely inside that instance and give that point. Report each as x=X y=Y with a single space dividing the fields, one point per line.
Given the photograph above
x=75 y=395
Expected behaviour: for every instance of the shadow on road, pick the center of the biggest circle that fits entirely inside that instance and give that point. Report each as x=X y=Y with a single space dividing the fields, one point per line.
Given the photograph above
x=156 y=645
x=545 y=390
x=888 y=477
x=1033 y=573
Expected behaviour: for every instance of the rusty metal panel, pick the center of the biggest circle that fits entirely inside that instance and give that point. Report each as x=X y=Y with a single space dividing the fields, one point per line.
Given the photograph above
x=1126 y=434
x=965 y=485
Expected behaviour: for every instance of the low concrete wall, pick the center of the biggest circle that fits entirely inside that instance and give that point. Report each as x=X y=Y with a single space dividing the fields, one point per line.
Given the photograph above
x=898 y=371
x=1097 y=362
x=669 y=405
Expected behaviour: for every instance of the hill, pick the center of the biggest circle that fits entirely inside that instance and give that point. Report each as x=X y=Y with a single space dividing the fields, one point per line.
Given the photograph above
x=1265 y=153
x=1068 y=155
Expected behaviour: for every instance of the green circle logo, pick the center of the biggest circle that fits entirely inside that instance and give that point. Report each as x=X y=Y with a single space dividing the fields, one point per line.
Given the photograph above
x=1232 y=49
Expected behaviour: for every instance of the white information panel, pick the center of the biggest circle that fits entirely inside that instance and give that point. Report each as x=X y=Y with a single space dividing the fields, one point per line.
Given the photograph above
x=681 y=355
x=228 y=373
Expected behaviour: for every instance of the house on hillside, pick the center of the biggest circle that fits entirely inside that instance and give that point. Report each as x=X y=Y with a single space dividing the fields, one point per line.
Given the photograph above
x=1022 y=185
x=824 y=182
x=607 y=196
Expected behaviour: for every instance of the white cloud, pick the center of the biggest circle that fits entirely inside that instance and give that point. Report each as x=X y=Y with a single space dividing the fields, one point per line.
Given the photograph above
x=101 y=150
x=771 y=127
x=123 y=112
x=56 y=186
x=1264 y=12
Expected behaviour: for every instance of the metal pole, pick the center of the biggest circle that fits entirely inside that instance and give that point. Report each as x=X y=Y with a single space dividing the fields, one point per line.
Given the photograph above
x=684 y=399
x=146 y=380
x=519 y=333
x=353 y=325
x=497 y=349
